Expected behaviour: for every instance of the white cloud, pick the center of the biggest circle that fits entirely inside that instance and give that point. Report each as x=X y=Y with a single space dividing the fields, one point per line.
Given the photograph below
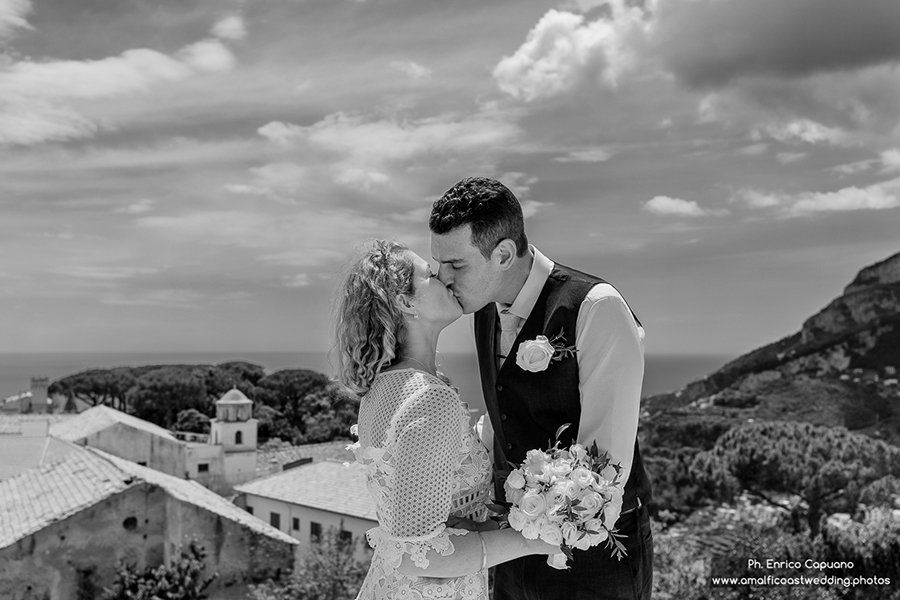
x=230 y=28
x=753 y=150
x=664 y=205
x=281 y=133
x=563 y=50
x=364 y=180
x=594 y=155
x=104 y=273
x=296 y=281
x=12 y=16
x=39 y=97
x=803 y=130
x=757 y=199
x=890 y=160
x=879 y=196
x=141 y=206
x=208 y=55
x=411 y=69
x=786 y=158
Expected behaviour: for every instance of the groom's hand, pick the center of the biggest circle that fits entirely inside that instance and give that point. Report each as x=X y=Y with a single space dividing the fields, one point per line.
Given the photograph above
x=471 y=525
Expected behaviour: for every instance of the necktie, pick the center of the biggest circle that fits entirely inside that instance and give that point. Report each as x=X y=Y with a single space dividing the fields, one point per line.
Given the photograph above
x=509 y=330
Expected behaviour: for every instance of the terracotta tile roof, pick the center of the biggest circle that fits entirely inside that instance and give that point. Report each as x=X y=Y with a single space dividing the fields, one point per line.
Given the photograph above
x=273 y=460
x=99 y=418
x=20 y=453
x=12 y=423
x=38 y=497
x=326 y=485
x=194 y=493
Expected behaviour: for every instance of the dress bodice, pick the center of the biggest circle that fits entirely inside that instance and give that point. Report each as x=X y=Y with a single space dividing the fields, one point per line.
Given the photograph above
x=423 y=464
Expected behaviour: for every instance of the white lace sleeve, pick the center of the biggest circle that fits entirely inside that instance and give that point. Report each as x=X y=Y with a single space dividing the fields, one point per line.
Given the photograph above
x=428 y=433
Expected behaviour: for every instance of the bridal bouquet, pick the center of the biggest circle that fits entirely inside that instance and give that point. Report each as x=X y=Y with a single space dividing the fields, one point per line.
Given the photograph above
x=566 y=496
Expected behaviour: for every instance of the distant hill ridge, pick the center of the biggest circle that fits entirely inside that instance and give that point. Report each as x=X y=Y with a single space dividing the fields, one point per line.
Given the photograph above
x=839 y=369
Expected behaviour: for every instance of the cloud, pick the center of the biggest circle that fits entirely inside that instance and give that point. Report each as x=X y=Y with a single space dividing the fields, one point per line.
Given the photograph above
x=411 y=69
x=786 y=158
x=12 y=16
x=803 y=130
x=890 y=160
x=208 y=55
x=230 y=28
x=564 y=50
x=296 y=281
x=141 y=206
x=365 y=153
x=879 y=196
x=593 y=155
x=162 y=298
x=664 y=205
x=38 y=98
x=103 y=273
x=710 y=42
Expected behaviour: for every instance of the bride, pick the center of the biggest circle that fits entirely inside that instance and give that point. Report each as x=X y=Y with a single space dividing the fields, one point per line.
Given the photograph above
x=425 y=467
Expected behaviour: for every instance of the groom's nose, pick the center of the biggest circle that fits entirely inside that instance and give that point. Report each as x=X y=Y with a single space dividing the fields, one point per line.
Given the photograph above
x=445 y=274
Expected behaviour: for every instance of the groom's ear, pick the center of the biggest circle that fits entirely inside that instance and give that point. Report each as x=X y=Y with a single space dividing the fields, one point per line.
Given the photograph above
x=504 y=253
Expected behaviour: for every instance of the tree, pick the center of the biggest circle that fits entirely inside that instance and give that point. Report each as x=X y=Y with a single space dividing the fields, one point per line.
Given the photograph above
x=192 y=420
x=181 y=580
x=287 y=390
x=159 y=395
x=328 y=571
x=96 y=386
x=825 y=469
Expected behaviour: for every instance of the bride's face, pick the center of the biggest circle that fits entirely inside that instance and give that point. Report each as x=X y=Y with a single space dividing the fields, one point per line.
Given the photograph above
x=434 y=302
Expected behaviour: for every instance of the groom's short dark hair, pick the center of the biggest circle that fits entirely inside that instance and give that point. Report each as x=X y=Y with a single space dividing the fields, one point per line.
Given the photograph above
x=488 y=206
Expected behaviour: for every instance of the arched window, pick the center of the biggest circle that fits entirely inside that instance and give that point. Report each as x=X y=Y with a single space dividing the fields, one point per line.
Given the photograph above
x=239 y=437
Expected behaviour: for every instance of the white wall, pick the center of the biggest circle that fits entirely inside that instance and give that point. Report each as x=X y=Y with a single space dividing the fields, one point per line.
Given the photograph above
x=263 y=507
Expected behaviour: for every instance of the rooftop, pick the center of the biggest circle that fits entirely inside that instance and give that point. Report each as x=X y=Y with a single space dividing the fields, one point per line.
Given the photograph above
x=99 y=418
x=234 y=396
x=327 y=485
x=336 y=450
x=11 y=424
x=84 y=477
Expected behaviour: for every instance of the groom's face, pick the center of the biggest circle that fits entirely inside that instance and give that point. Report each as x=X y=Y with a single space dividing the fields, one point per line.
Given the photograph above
x=471 y=277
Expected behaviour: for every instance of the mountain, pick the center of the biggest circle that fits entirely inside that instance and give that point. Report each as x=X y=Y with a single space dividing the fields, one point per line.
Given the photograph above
x=840 y=369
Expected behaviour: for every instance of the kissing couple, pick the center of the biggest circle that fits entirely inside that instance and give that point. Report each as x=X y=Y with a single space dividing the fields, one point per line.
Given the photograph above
x=431 y=474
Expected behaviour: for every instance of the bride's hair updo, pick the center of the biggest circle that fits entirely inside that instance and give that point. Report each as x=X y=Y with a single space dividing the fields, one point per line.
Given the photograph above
x=369 y=327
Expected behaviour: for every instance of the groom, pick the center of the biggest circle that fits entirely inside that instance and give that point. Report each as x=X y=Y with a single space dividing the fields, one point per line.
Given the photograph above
x=517 y=293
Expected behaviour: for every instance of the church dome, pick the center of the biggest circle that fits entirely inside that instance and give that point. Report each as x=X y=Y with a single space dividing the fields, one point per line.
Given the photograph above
x=234 y=396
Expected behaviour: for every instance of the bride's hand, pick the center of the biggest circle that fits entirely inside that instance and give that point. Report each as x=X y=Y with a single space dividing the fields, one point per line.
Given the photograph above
x=471 y=525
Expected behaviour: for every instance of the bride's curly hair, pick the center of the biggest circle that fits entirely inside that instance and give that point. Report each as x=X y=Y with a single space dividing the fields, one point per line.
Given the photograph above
x=369 y=329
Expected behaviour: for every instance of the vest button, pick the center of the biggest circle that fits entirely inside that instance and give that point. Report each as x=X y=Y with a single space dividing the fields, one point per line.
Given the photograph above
x=499 y=387
x=509 y=446
x=503 y=417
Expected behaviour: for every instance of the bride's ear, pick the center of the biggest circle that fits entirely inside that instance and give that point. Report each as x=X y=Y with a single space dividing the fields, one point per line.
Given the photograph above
x=406 y=306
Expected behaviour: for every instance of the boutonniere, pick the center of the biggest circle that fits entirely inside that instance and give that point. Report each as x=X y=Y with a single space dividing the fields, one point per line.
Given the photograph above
x=537 y=354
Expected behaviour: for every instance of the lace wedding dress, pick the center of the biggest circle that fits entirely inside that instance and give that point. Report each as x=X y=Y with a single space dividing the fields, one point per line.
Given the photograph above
x=423 y=463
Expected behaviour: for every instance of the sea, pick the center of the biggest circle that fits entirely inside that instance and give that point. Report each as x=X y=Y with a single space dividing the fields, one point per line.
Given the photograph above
x=662 y=373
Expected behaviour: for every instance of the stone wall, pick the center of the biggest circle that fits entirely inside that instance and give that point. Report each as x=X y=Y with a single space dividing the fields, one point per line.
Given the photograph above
x=48 y=564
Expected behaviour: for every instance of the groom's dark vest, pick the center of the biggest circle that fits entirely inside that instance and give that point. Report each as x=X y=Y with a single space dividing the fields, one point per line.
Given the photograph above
x=527 y=408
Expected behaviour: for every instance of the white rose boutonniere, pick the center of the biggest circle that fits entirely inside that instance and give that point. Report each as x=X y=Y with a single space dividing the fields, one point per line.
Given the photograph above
x=537 y=354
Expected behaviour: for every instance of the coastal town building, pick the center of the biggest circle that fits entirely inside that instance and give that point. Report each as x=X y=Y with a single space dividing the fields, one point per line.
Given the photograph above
x=226 y=458
x=64 y=525
x=306 y=500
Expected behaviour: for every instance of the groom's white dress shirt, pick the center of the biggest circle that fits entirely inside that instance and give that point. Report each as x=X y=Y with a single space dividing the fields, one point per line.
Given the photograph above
x=610 y=346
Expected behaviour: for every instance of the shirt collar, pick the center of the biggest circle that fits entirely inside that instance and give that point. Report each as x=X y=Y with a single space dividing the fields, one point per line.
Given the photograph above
x=528 y=295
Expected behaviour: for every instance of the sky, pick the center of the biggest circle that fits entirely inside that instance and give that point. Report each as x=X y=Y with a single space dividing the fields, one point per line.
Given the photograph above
x=192 y=175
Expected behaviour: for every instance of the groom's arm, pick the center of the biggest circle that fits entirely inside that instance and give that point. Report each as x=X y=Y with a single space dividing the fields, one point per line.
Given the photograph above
x=610 y=373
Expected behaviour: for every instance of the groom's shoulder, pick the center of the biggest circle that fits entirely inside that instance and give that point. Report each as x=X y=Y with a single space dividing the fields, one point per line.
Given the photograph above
x=562 y=273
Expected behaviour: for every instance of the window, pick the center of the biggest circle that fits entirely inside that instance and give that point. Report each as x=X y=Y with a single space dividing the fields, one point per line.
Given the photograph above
x=203 y=468
x=315 y=531
x=239 y=437
x=275 y=520
x=345 y=537
x=296 y=524
x=250 y=509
